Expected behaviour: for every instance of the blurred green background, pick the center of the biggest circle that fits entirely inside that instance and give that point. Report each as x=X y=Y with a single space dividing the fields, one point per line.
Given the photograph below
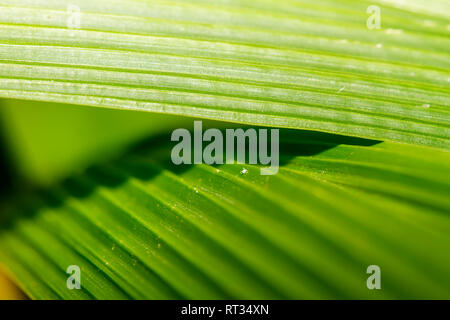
x=45 y=142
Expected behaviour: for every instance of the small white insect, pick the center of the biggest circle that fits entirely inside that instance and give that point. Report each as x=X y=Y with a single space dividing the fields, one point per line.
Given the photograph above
x=244 y=171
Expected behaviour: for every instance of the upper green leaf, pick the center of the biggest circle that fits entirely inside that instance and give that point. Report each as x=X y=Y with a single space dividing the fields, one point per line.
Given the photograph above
x=295 y=64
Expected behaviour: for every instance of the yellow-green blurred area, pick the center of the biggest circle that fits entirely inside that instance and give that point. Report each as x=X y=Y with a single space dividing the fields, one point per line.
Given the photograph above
x=45 y=142
x=8 y=290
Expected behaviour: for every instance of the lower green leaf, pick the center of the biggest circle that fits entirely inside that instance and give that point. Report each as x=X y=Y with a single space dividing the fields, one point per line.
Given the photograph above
x=141 y=227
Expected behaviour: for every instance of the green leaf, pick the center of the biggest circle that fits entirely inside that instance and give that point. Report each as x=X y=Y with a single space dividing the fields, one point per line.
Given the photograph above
x=140 y=227
x=294 y=64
